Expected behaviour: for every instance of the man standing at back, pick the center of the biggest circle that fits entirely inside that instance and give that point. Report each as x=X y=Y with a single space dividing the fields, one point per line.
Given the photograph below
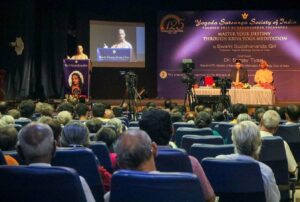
x=36 y=146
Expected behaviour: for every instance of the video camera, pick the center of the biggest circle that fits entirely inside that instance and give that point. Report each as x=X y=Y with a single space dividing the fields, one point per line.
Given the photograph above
x=130 y=78
x=223 y=84
x=187 y=68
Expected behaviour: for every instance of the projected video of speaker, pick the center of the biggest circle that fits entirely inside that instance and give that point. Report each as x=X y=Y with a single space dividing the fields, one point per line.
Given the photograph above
x=117 y=44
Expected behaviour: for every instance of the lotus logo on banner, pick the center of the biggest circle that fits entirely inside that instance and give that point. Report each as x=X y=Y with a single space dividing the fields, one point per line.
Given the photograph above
x=171 y=24
x=245 y=16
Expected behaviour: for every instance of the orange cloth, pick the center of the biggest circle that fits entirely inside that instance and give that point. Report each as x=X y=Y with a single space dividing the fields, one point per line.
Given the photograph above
x=11 y=161
x=263 y=76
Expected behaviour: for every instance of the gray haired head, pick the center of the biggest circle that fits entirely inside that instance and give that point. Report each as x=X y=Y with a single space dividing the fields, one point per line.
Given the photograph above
x=133 y=148
x=270 y=119
x=246 y=138
x=36 y=141
x=75 y=133
x=243 y=117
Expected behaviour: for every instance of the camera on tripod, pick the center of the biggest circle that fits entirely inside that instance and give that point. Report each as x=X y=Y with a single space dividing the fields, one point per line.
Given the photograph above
x=130 y=78
x=223 y=84
x=187 y=68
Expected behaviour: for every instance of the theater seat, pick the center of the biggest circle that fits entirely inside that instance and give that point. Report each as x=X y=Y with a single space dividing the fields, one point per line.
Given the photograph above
x=84 y=161
x=223 y=129
x=190 y=131
x=177 y=125
x=188 y=140
x=234 y=180
x=2 y=159
x=172 y=160
x=133 y=124
x=101 y=151
x=31 y=184
x=137 y=186
x=201 y=151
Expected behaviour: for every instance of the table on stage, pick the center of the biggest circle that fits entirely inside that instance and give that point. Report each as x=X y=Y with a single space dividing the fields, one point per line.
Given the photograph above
x=253 y=96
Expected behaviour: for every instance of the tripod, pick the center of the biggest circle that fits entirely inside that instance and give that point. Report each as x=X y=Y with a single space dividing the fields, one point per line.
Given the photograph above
x=223 y=102
x=190 y=97
x=131 y=97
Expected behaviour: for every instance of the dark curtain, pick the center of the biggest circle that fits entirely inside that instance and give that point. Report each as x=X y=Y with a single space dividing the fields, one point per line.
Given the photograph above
x=38 y=72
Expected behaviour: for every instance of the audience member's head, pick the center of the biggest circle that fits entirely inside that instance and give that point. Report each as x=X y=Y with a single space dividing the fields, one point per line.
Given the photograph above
x=8 y=119
x=243 y=117
x=281 y=111
x=36 y=143
x=46 y=109
x=135 y=151
x=208 y=110
x=259 y=112
x=81 y=110
x=203 y=120
x=66 y=106
x=54 y=125
x=14 y=113
x=118 y=112
x=64 y=117
x=190 y=116
x=75 y=133
x=8 y=138
x=219 y=116
x=94 y=125
x=27 y=108
x=238 y=109
x=150 y=105
x=199 y=108
x=176 y=117
x=246 y=138
x=168 y=104
x=107 y=135
x=3 y=107
x=108 y=114
x=292 y=113
x=157 y=123
x=98 y=110
x=117 y=123
x=270 y=121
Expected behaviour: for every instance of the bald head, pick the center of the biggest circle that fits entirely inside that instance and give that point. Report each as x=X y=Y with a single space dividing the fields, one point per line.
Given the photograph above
x=134 y=148
x=36 y=143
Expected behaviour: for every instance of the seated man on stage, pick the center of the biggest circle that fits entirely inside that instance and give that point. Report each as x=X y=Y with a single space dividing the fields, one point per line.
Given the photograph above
x=238 y=75
x=264 y=76
x=80 y=55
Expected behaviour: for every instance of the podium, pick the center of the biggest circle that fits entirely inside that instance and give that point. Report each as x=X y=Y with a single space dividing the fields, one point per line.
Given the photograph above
x=77 y=78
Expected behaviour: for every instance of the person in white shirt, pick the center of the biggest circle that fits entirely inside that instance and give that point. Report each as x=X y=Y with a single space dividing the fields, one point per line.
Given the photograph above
x=80 y=55
x=268 y=126
x=122 y=43
x=247 y=142
x=36 y=145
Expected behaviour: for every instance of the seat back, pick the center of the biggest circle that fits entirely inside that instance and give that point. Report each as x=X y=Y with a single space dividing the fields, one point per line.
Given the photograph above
x=291 y=134
x=229 y=139
x=177 y=125
x=2 y=159
x=222 y=128
x=172 y=160
x=30 y=183
x=84 y=161
x=136 y=186
x=22 y=122
x=18 y=127
x=190 y=131
x=188 y=140
x=235 y=180
x=134 y=124
x=273 y=154
x=201 y=151
x=102 y=153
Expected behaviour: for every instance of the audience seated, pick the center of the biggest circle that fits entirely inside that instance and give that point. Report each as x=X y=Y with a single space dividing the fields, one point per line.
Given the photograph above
x=117 y=123
x=176 y=117
x=218 y=116
x=243 y=117
x=118 y=112
x=247 y=142
x=66 y=106
x=14 y=113
x=8 y=141
x=203 y=120
x=64 y=117
x=81 y=111
x=268 y=126
x=98 y=110
x=3 y=107
x=27 y=109
x=259 y=112
x=37 y=146
x=190 y=117
x=292 y=114
x=76 y=134
x=94 y=125
x=236 y=110
x=8 y=119
x=157 y=123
